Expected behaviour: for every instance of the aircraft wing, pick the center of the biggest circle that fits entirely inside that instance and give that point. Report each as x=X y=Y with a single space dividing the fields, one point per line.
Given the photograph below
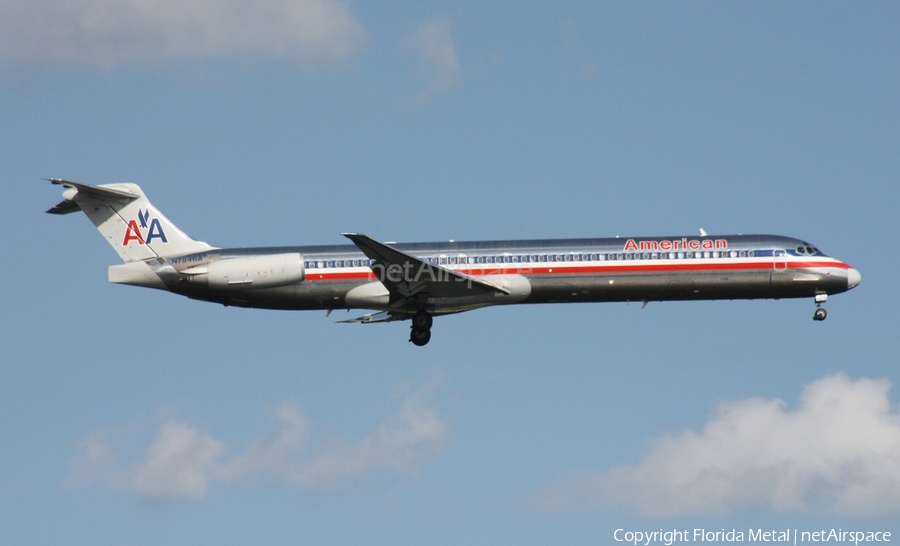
x=407 y=276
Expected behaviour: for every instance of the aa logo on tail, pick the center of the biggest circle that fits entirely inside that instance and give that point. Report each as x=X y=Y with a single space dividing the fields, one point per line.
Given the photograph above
x=153 y=231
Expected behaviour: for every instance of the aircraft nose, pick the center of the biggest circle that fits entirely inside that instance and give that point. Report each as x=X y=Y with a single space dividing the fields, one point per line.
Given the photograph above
x=853 y=278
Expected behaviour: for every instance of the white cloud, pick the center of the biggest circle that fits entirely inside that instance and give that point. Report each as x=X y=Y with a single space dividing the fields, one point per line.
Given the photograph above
x=110 y=33
x=837 y=452
x=437 y=61
x=179 y=463
x=278 y=453
x=182 y=462
x=402 y=443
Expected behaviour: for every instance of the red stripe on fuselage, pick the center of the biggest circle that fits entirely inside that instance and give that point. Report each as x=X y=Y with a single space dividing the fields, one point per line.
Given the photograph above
x=562 y=268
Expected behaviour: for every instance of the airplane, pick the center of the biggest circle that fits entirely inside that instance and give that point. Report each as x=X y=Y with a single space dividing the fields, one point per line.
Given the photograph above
x=418 y=281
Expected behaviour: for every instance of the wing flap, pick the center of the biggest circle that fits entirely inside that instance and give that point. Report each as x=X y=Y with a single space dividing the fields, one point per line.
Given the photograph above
x=384 y=316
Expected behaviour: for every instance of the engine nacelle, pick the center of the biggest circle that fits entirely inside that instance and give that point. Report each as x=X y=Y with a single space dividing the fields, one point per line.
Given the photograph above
x=269 y=271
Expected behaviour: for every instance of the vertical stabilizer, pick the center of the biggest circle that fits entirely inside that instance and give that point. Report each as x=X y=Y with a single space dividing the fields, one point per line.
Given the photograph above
x=127 y=220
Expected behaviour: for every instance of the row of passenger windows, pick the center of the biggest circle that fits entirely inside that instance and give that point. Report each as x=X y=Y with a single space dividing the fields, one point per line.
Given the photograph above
x=547 y=258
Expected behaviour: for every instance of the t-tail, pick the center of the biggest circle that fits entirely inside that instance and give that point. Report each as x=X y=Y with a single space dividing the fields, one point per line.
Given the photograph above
x=141 y=235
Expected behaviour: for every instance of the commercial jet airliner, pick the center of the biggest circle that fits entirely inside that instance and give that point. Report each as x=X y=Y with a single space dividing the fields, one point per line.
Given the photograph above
x=418 y=281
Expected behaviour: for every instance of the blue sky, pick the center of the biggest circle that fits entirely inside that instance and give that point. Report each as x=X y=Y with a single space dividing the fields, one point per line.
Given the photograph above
x=134 y=416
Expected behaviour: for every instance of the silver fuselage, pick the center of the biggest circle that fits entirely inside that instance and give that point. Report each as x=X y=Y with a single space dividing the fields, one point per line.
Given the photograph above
x=548 y=271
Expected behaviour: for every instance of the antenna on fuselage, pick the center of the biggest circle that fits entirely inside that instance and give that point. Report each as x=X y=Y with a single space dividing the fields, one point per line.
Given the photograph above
x=702 y=232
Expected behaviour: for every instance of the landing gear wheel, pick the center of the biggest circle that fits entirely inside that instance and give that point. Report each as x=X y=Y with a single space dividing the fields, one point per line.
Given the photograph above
x=422 y=320
x=420 y=338
x=820 y=314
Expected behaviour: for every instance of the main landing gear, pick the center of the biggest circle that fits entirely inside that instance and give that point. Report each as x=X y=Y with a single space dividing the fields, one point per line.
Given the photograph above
x=820 y=313
x=420 y=334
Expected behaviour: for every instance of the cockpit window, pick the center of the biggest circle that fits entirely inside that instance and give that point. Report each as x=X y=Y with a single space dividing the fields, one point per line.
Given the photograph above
x=808 y=249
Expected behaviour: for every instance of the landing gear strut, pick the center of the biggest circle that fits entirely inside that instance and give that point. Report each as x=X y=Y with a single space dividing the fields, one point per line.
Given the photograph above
x=420 y=334
x=820 y=313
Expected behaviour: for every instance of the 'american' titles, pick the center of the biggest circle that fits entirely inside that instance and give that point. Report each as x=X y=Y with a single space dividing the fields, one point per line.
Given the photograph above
x=677 y=244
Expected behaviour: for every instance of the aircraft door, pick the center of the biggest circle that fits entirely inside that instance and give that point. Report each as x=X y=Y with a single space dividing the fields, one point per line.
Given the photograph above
x=779 y=257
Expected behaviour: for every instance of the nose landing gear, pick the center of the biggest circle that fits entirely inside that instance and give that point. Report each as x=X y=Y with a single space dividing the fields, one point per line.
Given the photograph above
x=820 y=313
x=420 y=334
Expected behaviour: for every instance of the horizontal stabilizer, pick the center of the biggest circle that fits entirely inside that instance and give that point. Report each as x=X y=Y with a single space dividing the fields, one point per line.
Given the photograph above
x=64 y=207
x=69 y=206
x=94 y=191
